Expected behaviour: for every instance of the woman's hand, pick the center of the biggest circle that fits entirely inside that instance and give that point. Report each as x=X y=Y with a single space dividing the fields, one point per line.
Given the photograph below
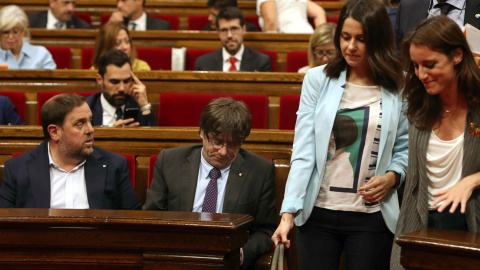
x=281 y=233
x=377 y=187
x=457 y=194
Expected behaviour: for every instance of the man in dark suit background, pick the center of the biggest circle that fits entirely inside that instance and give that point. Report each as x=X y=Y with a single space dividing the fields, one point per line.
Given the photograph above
x=234 y=56
x=214 y=6
x=59 y=16
x=66 y=170
x=131 y=13
x=122 y=93
x=219 y=176
x=411 y=12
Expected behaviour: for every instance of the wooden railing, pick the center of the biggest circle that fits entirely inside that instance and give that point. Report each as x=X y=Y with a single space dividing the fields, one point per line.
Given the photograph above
x=272 y=85
x=120 y=239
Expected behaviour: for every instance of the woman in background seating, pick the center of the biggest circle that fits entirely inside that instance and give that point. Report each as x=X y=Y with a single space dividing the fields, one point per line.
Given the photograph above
x=16 y=52
x=334 y=209
x=115 y=35
x=442 y=89
x=321 y=48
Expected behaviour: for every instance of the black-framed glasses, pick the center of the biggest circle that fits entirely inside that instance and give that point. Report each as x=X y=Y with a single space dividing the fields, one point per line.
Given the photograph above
x=234 y=30
x=322 y=53
x=230 y=145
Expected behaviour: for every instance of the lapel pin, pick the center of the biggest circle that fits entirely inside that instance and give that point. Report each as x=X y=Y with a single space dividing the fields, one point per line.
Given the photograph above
x=104 y=166
x=477 y=15
x=240 y=174
x=474 y=130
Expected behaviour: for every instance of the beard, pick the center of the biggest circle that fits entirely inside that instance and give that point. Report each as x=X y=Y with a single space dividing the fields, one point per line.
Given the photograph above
x=116 y=100
x=75 y=153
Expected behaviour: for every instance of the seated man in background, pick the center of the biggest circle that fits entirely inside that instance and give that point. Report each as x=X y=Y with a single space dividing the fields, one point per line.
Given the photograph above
x=66 y=170
x=123 y=100
x=58 y=16
x=219 y=176
x=234 y=56
x=131 y=13
x=214 y=6
x=8 y=113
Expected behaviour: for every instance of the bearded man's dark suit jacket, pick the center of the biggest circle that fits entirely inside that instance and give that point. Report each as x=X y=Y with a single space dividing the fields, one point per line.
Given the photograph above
x=26 y=181
x=251 y=61
x=411 y=12
x=39 y=20
x=95 y=105
x=250 y=190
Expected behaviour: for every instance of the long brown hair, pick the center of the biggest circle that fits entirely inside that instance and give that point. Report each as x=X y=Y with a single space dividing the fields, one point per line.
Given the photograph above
x=383 y=62
x=443 y=35
x=106 y=40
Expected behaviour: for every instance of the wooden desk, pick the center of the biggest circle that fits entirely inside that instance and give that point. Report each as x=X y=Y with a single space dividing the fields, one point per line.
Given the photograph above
x=272 y=85
x=120 y=239
x=78 y=39
x=182 y=8
x=440 y=249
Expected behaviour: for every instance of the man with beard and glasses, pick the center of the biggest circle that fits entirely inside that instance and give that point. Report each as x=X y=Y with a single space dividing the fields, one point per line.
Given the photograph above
x=59 y=16
x=122 y=93
x=234 y=56
x=219 y=176
x=66 y=170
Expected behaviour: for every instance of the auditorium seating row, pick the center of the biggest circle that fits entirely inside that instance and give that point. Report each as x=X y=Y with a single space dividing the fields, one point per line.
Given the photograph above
x=183 y=110
x=161 y=58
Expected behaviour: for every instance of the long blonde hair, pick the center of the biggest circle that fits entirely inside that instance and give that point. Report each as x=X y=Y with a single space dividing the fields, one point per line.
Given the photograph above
x=106 y=40
x=323 y=34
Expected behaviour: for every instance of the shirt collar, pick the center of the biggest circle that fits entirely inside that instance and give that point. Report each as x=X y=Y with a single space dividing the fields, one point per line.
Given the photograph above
x=141 y=22
x=51 y=20
x=459 y=4
x=52 y=163
x=238 y=55
x=206 y=167
x=107 y=107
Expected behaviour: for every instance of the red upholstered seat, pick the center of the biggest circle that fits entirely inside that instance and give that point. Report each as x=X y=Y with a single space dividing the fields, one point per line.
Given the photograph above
x=332 y=19
x=62 y=56
x=296 y=60
x=273 y=57
x=172 y=19
x=197 y=22
x=253 y=19
x=18 y=99
x=157 y=58
x=84 y=17
x=192 y=55
x=151 y=165
x=184 y=109
x=287 y=115
x=86 y=58
x=131 y=166
x=44 y=96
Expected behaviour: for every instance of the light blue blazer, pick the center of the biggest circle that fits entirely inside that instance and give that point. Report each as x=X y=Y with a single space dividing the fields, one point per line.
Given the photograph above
x=319 y=103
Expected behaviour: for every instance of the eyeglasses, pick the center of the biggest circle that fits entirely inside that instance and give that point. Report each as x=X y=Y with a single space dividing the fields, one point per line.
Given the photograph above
x=321 y=53
x=234 y=30
x=218 y=145
x=14 y=31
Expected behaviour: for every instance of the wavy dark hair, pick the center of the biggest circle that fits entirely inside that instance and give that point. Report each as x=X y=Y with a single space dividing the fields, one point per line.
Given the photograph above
x=383 y=62
x=442 y=35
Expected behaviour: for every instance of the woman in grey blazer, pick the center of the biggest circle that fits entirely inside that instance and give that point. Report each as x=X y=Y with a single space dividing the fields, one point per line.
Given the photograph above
x=442 y=91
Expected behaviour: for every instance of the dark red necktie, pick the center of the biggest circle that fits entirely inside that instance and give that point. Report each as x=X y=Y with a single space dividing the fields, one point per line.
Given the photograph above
x=232 y=61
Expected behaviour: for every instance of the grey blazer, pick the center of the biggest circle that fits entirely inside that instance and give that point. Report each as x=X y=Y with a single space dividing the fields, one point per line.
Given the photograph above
x=414 y=209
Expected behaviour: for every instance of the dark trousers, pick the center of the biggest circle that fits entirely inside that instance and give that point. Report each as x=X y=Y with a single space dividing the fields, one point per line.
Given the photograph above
x=365 y=238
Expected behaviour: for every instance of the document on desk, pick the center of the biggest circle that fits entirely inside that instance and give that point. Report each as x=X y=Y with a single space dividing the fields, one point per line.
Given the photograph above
x=473 y=38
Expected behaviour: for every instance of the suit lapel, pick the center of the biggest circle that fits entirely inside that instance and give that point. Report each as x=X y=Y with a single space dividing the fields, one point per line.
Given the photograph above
x=97 y=111
x=39 y=176
x=95 y=178
x=236 y=179
x=387 y=105
x=189 y=178
x=244 y=65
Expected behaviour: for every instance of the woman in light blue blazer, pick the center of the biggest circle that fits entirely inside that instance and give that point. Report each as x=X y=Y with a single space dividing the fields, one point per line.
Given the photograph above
x=342 y=195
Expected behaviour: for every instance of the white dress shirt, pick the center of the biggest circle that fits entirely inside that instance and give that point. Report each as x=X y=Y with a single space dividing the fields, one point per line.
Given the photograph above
x=109 y=115
x=457 y=14
x=226 y=58
x=51 y=21
x=202 y=183
x=67 y=189
x=140 y=23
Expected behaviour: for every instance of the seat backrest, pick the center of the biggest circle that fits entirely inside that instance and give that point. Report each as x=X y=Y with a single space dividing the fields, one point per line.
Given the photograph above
x=62 y=56
x=184 y=109
x=287 y=115
x=253 y=19
x=197 y=22
x=157 y=58
x=131 y=166
x=87 y=55
x=172 y=19
x=296 y=60
x=18 y=99
x=192 y=55
x=44 y=96
x=273 y=57
x=151 y=165
x=86 y=17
